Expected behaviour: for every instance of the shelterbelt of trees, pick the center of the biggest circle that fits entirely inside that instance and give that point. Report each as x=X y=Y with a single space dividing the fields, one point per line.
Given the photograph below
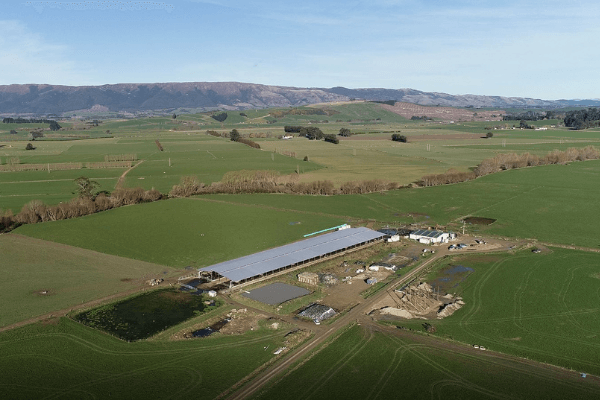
x=234 y=182
x=503 y=162
x=583 y=119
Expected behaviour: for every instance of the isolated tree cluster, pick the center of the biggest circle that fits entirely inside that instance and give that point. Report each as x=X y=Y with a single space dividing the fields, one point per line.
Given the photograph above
x=221 y=117
x=311 y=133
x=396 y=137
x=345 y=132
x=331 y=139
x=292 y=129
x=524 y=125
x=530 y=116
x=583 y=119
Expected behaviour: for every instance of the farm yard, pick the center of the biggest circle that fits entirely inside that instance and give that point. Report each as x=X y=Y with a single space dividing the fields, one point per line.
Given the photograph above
x=525 y=308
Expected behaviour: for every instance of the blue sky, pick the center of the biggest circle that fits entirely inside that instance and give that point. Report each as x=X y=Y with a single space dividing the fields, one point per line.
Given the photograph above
x=541 y=49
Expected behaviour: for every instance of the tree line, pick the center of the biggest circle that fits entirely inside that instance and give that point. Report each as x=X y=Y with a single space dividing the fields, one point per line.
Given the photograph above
x=54 y=126
x=235 y=136
x=502 y=162
x=87 y=202
x=236 y=182
x=532 y=116
x=583 y=119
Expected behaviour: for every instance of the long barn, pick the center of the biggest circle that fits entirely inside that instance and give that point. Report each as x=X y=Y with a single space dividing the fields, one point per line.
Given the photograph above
x=243 y=269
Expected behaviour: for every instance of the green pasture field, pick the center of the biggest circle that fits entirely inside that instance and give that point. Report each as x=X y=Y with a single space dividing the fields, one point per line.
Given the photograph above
x=539 y=306
x=53 y=188
x=183 y=232
x=389 y=364
x=198 y=154
x=551 y=203
x=208 y=158
x=371 y=155
x=64 y=359
x=71 y=276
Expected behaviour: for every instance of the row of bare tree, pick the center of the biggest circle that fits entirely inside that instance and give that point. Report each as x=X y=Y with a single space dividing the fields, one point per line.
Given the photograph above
x=36 y=211
x=272 y=182
x=243 y=135
x=506 y=161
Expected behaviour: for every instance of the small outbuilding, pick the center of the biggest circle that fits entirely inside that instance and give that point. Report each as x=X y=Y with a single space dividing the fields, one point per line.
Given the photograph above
x=317 y=312
x=426 y=236
x=309 y=278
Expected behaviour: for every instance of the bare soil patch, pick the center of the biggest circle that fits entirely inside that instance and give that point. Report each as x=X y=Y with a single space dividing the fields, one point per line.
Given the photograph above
x=242 y=321
x=408 y=110
x=51 y=321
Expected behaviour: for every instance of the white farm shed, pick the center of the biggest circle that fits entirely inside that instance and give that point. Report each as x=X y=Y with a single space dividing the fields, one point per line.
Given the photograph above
x=429 y=237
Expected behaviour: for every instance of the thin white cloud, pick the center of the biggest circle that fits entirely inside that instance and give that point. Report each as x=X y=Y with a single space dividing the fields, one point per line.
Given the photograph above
x=26 y=57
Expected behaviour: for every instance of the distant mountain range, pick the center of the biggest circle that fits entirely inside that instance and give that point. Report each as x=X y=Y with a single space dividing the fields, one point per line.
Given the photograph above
x=140 y=97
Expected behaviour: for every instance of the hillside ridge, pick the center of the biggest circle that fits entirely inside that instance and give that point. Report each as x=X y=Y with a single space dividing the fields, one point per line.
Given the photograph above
x=138 y=97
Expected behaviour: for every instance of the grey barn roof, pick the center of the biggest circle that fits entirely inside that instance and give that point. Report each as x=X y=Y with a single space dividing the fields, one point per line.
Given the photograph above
x=427 y=233
x=279 y=257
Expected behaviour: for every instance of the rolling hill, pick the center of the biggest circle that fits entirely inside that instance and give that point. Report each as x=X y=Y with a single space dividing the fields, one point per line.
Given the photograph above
x=138 y=97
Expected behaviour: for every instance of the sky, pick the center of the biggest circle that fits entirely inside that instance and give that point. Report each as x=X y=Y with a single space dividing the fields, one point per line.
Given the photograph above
x=540 y=49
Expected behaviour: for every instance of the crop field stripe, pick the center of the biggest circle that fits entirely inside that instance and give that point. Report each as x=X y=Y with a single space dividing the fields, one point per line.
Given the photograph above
x=194 y=378
x=478 y=212
x=521 y=289
x=458 y=378
x=198 y=348
x=561 y=297
x=534 y=317
x=466 y=321
x=330 y=373
x=389 y=372
x=503 y=361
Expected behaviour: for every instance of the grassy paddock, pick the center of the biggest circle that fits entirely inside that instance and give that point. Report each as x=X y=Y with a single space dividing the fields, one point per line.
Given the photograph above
x=182 y=232
x=385 y=364
x=539 y=306
x=71 y=276
x=550 y=203
x=62 y=358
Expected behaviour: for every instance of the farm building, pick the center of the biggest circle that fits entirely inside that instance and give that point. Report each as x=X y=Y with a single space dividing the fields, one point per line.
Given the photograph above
x=429 y=237
x=317 y=312
x=268 y=262
x=308 y=277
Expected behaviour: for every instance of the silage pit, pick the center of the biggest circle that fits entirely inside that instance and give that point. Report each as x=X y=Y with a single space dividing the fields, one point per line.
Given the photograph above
x=216 y=327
